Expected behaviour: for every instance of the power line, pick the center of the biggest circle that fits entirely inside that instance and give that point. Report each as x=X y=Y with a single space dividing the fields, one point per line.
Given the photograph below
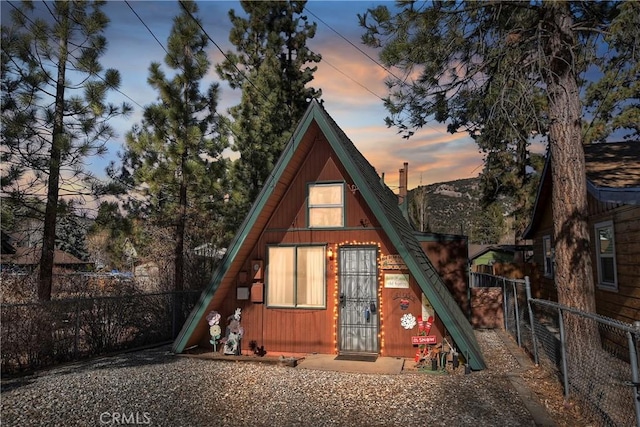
x=87 y=47
x=402 y=82
x=266 y=98
x=147 y=27
x=356 y=47
x=352 y=79
x=215 y=113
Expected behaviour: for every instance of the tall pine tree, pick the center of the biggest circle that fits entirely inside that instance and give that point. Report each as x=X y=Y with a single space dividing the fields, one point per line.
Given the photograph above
x=174 y=158
x=527 y=49
x=54 y=113
x=272 y=67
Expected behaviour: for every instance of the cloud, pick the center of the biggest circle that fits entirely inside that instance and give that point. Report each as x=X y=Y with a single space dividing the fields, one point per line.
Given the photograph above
x=432 y=156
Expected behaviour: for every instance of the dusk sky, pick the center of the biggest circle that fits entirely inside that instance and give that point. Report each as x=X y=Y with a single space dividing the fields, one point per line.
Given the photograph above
x=352 y=84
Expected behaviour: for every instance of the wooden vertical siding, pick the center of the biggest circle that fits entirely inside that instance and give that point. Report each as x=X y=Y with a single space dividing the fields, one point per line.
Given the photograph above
x=313 y=330
x=449 y=257
x=396 y=338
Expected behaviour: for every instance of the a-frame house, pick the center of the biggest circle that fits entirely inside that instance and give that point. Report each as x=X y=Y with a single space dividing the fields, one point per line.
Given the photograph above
x=326 y=262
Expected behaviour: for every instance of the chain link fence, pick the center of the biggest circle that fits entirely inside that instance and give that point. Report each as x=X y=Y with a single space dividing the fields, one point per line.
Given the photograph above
x=602 y=376
x=36 y=335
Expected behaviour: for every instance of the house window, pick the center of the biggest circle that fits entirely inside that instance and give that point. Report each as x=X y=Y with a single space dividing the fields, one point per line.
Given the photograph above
x=326 y=205
x=606 y=256
x=296 y=276
x=548 y=253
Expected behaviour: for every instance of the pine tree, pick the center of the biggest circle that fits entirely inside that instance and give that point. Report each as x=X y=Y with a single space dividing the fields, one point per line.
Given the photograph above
x=174 y=157
x=272 y=67
x=71 y=232
x=54 y=113
x=492 y=51
x=613 y=101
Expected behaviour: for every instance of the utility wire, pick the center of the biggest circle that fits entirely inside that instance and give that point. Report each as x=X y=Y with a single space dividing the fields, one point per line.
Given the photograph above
x=266 y=98
x=403 y=82
x=324 y=61
x=215 y=113
x=88 y=47
x=356 y=47
x=147 y=27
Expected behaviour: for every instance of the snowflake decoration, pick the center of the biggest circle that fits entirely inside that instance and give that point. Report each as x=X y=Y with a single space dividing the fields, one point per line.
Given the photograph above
x=408 y=321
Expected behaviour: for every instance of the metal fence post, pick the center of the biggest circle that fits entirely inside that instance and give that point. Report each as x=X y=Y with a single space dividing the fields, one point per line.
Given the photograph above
x=635 y=377
x=471 y=285
x=76 y=332
x=534 y=339
x=173 y=314
x=504 y=305
x=563 y=351
x=516 y=312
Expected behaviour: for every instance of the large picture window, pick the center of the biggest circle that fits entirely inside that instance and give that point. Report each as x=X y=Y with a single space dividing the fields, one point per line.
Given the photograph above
x=606 y=255
x=548 y=252
x=296 y=276
x=326 y=205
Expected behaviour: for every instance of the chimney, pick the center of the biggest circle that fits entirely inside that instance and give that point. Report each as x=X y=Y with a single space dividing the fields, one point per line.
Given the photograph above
x=402 y=190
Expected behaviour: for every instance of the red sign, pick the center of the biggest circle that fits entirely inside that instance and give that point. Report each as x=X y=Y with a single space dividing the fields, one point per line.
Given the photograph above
x=424 y=339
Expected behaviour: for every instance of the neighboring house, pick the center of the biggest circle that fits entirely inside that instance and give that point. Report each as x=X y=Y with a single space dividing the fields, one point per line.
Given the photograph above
x=490 y=254
x=613 y=184
x=483 y=258
x=27 y=259
x=326 y=262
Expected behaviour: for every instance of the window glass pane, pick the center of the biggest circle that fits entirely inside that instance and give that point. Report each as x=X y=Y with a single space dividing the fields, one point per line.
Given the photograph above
x=310 y=283
x=325 y=195
x=548 y=255
x=606 y=255
x=606 y=240
x=547 y=247
x=280 y=279
x=325 y=217
x=607 y=270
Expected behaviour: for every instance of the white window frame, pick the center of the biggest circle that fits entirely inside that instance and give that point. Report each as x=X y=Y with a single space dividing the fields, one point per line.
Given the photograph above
x=548 y=256
x=600 y=256
x=328 y=205
x=288 y=294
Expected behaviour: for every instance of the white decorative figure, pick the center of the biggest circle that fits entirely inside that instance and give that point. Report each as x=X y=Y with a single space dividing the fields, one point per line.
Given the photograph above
x=234 y=334
x=215 y=331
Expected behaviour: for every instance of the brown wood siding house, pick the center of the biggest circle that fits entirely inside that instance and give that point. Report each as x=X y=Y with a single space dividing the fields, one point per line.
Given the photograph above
x=326 y=262
x=613 y=182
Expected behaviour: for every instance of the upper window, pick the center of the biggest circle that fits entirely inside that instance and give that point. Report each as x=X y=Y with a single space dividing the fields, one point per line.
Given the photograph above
x=296 y=276
x=548 y=254
x=326 y=205
x=606 y=255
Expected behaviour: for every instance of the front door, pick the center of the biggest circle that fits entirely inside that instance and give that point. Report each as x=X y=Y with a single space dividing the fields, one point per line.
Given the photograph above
x=358 y=299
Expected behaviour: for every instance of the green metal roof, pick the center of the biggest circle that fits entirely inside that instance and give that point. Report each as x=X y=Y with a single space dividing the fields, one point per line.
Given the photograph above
x=384 y=205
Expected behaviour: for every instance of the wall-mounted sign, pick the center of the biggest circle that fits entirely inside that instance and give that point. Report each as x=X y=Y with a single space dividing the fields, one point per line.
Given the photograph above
x=392 y=262
x=396 y=280
x=424 y=339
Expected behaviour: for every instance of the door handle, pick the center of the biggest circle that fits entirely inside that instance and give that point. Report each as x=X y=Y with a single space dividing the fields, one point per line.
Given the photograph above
x=342 y=300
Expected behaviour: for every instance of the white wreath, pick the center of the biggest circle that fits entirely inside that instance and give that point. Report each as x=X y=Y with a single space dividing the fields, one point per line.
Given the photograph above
x=408 y=321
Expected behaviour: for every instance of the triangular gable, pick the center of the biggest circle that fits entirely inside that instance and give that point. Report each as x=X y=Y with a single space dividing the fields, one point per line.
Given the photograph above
x=383 y=203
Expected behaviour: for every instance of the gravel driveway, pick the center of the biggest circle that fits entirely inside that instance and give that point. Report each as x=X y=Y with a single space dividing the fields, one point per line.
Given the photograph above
x=153 y=387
